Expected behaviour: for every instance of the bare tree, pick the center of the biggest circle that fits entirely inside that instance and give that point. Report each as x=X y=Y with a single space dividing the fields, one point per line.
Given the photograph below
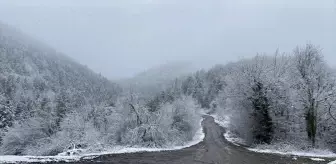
x=313 y=85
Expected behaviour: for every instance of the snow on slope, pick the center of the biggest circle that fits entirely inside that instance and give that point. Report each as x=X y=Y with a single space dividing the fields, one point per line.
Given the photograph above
x=199 y=137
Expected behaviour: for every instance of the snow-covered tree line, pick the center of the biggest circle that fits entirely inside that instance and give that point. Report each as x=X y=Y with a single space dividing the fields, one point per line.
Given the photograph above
x=286 y=98
x=49 y=102
x=281 y=99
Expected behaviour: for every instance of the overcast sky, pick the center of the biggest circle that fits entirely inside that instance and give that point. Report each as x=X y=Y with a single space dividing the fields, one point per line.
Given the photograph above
x=120 y=38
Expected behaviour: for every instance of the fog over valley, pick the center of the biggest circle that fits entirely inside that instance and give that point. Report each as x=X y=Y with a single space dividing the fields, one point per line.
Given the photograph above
x=124 y=37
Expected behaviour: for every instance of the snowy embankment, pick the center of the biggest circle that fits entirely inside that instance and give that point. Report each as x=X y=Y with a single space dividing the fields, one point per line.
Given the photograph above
x=316 y=154
x=225 y=122
x=15 y=159
x=289 y=150
x=198 y=137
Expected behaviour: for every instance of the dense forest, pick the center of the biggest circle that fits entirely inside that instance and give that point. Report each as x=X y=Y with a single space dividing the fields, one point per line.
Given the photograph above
x=49 y=102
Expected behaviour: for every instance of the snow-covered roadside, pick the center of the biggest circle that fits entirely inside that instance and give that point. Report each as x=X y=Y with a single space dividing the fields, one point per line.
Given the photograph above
x=334 y=162
x=199 y=137
x=316 y=154
x=15 y=159
x=222 y=121
x=317 y=159
x=229 y=136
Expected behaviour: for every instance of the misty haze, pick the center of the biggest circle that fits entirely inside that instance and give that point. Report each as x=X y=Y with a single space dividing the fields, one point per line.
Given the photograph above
x=168 y=81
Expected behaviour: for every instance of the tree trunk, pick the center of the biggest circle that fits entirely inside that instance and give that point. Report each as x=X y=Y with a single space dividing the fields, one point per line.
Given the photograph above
x=311 y=125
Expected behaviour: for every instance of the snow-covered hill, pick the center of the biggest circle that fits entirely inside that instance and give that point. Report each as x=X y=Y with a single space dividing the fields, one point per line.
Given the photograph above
x=41 y=85
x=158 y=78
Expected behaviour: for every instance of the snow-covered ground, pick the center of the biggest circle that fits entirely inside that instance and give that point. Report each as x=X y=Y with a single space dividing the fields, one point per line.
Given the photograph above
x=199 y=137
x=317 y=159
x=225 y=122
x=334 y=162
x=316 y=154
x=234 y=139
x=15 y=159
x=222 y=121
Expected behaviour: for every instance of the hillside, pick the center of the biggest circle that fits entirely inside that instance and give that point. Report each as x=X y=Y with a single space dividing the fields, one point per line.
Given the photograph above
x=50 y=103
x=40 y=83
x=157 y=78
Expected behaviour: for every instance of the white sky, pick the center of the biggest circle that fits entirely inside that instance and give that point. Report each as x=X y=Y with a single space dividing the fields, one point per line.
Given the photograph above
x=122 y=37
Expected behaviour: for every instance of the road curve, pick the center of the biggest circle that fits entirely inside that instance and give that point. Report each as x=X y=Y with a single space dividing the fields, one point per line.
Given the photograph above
x=213 y=150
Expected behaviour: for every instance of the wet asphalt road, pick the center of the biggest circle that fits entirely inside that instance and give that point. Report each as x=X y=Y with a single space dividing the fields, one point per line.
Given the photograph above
x=213 y=150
